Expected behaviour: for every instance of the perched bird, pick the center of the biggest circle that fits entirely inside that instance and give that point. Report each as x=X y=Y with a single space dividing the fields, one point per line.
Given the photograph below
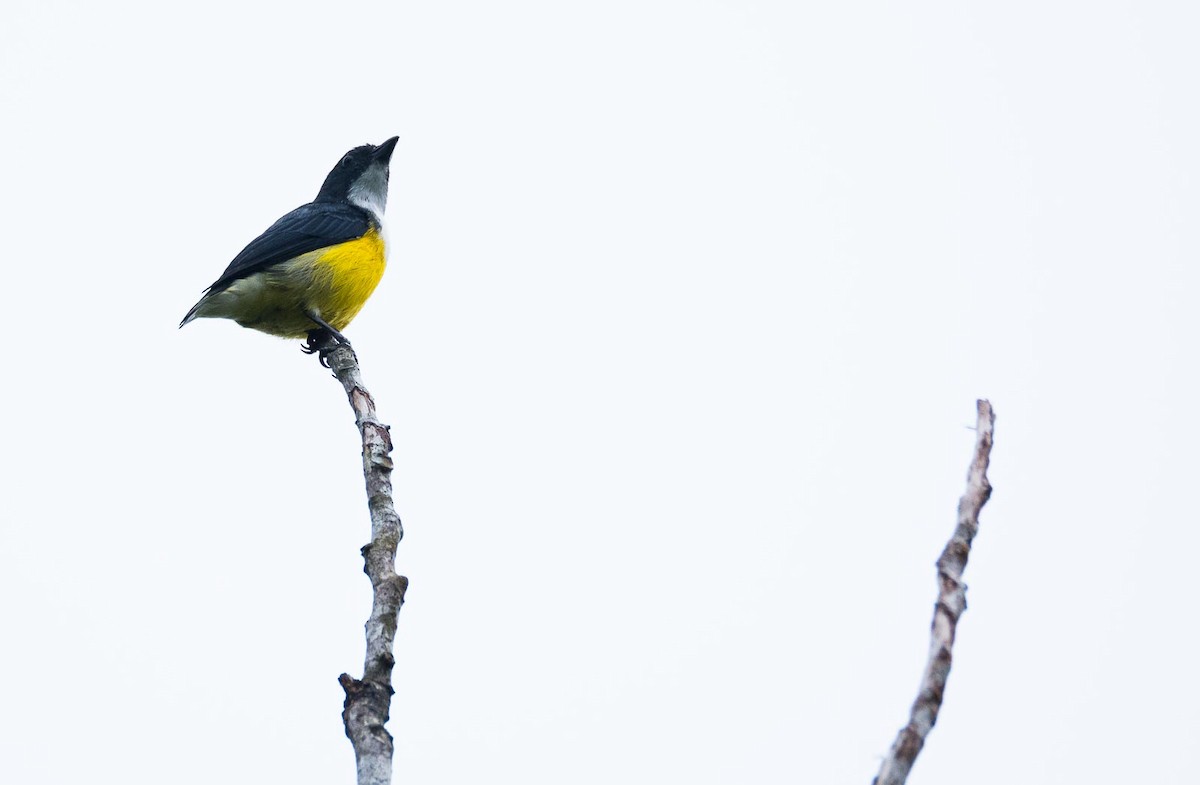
x=312 y=271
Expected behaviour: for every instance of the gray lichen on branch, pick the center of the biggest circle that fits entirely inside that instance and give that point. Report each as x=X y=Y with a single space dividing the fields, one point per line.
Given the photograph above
x=368 y=700
x=951 y=602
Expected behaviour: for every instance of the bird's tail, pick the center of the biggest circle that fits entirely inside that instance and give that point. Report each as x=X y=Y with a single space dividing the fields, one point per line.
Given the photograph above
x=193 y=314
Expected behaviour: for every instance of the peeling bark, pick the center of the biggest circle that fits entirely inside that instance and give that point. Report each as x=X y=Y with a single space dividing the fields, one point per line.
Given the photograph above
x=951 y=602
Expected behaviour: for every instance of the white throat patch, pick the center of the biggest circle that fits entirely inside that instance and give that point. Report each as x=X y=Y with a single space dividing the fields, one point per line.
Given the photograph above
x=369 y=191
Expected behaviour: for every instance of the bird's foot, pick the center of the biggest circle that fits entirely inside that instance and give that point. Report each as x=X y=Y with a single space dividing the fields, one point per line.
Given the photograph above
x=322 y=341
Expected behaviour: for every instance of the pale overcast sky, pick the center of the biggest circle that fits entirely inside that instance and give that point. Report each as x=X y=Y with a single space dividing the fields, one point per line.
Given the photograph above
x=687 y=310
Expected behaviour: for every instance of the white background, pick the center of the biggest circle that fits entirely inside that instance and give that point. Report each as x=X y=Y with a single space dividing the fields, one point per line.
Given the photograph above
x=688 y=307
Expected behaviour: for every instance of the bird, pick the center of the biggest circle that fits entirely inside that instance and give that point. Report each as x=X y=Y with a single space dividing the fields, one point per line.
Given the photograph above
x=311 y=272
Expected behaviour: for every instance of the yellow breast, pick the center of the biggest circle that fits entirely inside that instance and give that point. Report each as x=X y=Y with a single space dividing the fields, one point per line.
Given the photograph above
x=344 y=277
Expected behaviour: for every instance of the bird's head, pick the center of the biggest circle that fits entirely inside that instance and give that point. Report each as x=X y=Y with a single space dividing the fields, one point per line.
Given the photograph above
x=361 y=178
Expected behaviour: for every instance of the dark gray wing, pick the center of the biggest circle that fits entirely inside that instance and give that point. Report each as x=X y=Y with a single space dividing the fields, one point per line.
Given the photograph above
x=307 y=228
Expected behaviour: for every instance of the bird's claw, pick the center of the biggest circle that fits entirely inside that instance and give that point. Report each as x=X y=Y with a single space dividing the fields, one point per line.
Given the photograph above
x=321 y=342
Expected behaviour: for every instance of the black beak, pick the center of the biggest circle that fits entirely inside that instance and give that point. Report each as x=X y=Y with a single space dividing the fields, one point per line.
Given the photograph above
x=384 y=151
